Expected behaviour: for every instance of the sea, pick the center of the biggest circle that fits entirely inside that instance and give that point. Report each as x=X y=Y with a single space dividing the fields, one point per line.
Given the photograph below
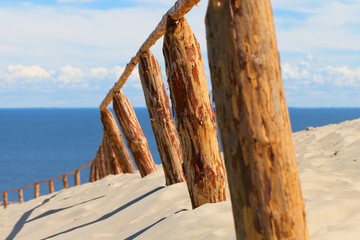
x=40 y=144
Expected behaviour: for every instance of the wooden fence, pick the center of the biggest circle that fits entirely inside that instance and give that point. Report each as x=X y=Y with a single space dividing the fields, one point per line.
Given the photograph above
x=251 y=111
x=50 y=182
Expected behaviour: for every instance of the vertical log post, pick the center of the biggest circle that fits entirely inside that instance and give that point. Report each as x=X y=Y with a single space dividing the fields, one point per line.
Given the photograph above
x=92 y=171
x=254 y=122
x=133 y=134
x=77 y=177
x=36 y=190
x=114 y=135
x=5 y=199
x=111 y=163
x=162 y=121
x=51 y=186
x=65 y=181
x=195 y=118
x=21 y=196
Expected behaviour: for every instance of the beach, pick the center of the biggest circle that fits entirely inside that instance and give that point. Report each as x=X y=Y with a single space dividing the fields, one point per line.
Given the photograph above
x=127 y=206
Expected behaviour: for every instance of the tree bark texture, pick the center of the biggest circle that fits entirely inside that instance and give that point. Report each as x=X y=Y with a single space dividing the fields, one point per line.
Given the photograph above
x=118 y=145
x=162 y=121
x=254 y=121
x=195 y=118
x=51 y=186
x=111 y=163
x=92 y=171
x=105 y=162
x=133 y=134
x=21 y=196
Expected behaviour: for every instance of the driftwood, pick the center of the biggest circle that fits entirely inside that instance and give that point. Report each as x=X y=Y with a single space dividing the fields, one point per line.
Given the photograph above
x=195 y=118
x=254 y=121
x=133 y=134
x=180 y=8
x=114 y=135
x=162 y=121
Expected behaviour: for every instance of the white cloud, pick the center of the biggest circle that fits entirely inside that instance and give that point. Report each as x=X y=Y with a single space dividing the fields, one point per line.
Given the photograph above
x=329 y=26
x=341 y=76
x=70 y=75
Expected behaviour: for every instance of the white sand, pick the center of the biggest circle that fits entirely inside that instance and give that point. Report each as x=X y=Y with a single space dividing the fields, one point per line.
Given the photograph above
x=128 y=207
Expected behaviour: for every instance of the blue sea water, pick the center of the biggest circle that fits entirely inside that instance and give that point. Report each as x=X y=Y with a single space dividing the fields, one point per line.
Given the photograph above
x=39 y=144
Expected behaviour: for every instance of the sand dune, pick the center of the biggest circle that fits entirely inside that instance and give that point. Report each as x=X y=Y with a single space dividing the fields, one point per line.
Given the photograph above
x=128 y=207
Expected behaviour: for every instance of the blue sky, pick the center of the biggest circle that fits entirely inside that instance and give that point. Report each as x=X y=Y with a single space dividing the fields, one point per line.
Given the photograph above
x=69 y=53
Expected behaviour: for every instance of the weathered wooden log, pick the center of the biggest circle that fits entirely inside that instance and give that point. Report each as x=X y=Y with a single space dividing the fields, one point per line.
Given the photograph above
x=77 y=177
x=21 y=196
x=180 y=8
x=254 y=121
x=65 y=181
x=195 y=119
x=114 y=135
x=162 y=121
x=133 y=134
x=5 y=199
x=101 y=162
x=92 y=171
x=51 y=186
x=112 y=165
x=36 y=190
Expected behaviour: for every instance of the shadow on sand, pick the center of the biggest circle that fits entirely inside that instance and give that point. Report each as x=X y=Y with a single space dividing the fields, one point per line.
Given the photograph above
x=106 y=216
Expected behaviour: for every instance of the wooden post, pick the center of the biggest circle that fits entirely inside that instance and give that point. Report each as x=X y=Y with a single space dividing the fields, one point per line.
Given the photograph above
x=51 y=186
x=114 y=135
x=92 y=171
x=133 y=134
x=36 y=190
x=65 y=181
x=21 y=196
x=254 y=121
x=162 y=121
x=77 y=177
x=111 y=163
x=5 y=199
x=195 y=118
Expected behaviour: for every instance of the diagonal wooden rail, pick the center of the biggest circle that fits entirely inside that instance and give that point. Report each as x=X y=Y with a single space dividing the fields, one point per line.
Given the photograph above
x=180 y=8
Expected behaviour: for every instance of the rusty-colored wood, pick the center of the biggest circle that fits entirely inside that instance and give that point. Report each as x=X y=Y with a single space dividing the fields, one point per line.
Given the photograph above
x=162 y=121
x=133 y=134
x=65 y=181
x=114 y=135
x=51 y=186
x=21 y=196
x=111 y=163
x=195 y=118
x=36 y=190
x=254 y=121
x=5 y=199
x=180 y=8
x=77 y=177
x=92 y=171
